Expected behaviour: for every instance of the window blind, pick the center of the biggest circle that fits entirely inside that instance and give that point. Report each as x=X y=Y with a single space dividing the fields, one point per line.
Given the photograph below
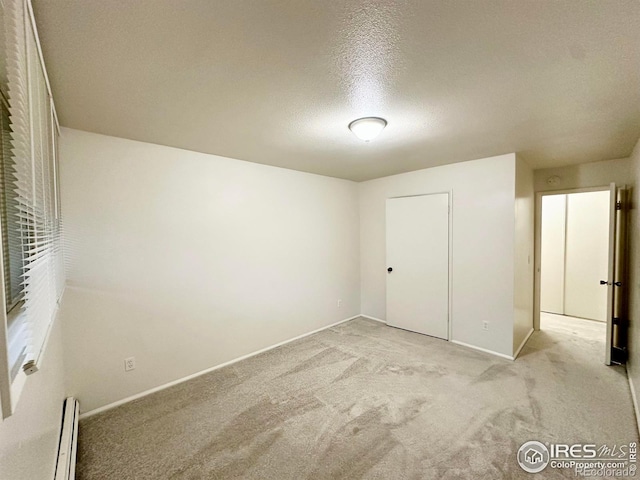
x=33 y=145
x=8 y=215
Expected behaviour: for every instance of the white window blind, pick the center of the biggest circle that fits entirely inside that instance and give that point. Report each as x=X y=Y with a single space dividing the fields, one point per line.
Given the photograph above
x=8 y=214
x=33 y=168
x=11 y=243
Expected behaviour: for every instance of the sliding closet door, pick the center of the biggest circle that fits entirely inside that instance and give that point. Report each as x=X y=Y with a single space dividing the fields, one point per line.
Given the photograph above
x=587 y=255
x=552 y=258
x=418 y=263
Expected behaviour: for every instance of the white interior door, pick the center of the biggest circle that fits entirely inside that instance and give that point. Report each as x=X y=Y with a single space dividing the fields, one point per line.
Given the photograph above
x=617 y=291
x=418 y=264
x=608 y=353
x=620 y=313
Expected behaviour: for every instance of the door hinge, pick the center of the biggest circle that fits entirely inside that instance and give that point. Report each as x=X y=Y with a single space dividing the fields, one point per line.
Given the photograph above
x=622 y=322
x=618 y=205
x=619 y=355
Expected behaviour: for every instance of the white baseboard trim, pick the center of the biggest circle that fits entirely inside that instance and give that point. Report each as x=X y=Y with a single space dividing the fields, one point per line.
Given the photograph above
x=68 y=443
x=374 y=319
x=508 y=357
x=203 y=372
x=634 y=399
x=515 y=355
x=465 y=344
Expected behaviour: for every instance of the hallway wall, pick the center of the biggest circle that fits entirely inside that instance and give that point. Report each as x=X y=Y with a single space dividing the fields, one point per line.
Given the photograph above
x=594 y=174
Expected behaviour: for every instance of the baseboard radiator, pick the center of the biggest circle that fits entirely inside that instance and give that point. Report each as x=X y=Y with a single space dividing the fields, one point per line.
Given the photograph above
x=66 y=465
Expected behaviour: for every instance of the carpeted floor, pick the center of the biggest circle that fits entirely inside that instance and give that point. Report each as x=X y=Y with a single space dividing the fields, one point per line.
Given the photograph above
x=363 y=400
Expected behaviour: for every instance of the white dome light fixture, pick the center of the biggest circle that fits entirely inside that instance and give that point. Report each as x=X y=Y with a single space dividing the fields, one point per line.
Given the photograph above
x=367 y=128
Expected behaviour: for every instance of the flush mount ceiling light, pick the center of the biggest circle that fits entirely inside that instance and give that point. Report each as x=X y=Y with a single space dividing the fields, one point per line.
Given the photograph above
x=367 y=128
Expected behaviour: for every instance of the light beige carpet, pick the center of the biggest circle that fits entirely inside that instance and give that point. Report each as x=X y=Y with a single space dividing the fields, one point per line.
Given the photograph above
x=363 y=400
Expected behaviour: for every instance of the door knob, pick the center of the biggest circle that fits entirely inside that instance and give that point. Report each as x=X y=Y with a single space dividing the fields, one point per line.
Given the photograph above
x=604 y=282
x=617 y=284
x=389 y=269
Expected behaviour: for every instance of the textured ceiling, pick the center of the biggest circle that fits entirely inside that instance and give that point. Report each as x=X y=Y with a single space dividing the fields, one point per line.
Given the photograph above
x=277 y=82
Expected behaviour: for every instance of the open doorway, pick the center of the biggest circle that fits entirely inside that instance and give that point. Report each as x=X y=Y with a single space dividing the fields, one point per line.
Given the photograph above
x=574 y=261
x=580 y=283
x=575 y=255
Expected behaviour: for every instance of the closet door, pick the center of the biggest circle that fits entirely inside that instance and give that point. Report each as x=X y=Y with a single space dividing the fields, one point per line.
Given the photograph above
x=587 y=254
x=552 y=258
x=418 y=264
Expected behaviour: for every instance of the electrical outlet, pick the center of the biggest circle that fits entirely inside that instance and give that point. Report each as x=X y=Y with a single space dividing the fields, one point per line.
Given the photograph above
x=129 y=364
x=340 y=303
x=485 y=325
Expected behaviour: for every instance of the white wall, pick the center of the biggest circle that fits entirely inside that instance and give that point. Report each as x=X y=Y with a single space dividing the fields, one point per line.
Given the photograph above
x=633 y=364
x=587 y=255
x=483 y=193
x=186 y=260
x=595 y=174
x=523 y=249
x=29 y=438
x=552 y=250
